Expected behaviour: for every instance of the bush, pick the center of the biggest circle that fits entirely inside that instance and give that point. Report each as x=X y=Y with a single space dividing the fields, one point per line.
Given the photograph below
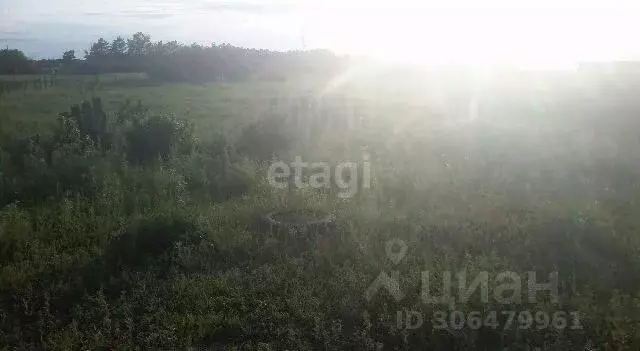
x=85 y=141
x=214 y=172
x=43 y=166
x=266 y=138
x=154 y=137
x=87 y=229
x=146 y=242
x=14 y=61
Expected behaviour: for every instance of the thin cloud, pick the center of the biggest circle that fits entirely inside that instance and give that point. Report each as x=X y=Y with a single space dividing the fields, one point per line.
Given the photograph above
x=150 y=14
x=145 y=14
x=247 y=7
x=17 y=40
x=11 y=32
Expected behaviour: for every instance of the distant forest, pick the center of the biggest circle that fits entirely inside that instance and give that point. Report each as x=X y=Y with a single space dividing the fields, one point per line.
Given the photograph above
x=173 y=61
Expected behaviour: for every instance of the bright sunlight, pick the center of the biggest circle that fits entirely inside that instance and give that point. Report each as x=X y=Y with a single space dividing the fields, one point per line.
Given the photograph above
x=540 y=35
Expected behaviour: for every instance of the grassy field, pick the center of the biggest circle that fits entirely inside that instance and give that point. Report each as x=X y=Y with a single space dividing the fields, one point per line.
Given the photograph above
x=106 y=246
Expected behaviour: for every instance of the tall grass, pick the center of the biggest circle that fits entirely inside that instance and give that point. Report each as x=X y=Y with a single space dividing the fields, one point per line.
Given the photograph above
x=142 y=235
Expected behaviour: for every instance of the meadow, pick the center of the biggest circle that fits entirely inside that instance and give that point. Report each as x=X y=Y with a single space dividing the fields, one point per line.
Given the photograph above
x=136 y=220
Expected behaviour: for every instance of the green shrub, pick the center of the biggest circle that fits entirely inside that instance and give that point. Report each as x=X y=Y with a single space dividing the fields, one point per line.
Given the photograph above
x=156 y=137
x=214 y=176
x=129 y=111
x=149 y=241
x=266 y=138
x=36 y=168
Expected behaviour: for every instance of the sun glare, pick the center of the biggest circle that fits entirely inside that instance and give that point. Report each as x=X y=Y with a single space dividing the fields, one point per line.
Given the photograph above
x=432 y=33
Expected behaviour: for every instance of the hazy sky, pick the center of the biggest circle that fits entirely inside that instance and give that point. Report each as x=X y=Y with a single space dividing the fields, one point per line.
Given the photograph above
x=541 y=30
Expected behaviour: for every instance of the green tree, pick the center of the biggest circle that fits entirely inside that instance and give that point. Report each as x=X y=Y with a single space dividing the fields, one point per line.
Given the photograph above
x=171 y=47
x=139 y=44
x=99 y=49
x=13 y=61
x=68 y=56
x=118 y=47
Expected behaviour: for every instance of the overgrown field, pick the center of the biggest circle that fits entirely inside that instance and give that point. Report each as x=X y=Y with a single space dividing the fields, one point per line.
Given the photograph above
x=132 y=216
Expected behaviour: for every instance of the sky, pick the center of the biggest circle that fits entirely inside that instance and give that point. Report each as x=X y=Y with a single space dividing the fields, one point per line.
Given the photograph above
x=426 y=30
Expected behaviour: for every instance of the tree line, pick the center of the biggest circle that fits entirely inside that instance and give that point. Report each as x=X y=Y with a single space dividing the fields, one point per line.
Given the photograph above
x=173 y=61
